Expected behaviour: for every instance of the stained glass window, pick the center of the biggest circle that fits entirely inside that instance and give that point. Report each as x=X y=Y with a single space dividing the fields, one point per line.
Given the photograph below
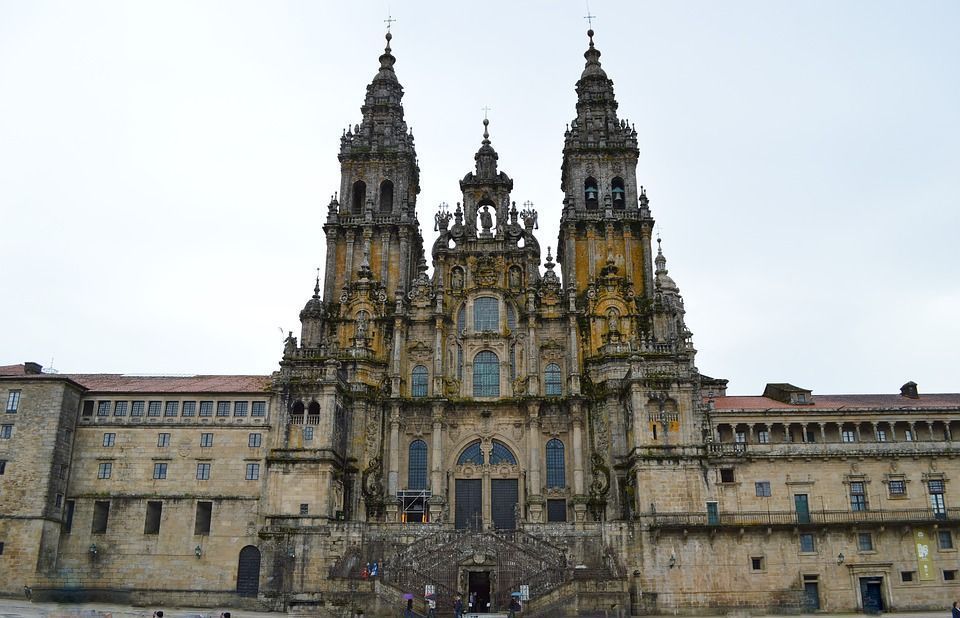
x=501 y=454
x=471 y=454
x=486 y=314
x=486 y=374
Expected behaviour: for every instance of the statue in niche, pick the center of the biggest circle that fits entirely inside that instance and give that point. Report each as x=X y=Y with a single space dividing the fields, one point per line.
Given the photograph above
x=362 y=325
x=613 y=322
x=514 y=278
x=486 y=220
x=456 y=279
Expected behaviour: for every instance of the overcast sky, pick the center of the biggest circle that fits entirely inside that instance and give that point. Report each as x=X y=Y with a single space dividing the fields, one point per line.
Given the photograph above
x=165 y=169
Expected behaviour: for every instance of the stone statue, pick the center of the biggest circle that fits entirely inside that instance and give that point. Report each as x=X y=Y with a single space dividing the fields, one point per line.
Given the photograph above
x=514 y=278
x=486 y=219
x=456 y=279
x=613 y=321
x=362 y=325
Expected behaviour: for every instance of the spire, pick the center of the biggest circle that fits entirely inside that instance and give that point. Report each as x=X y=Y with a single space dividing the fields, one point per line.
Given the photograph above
x=387 y=60
x=486 y=157
x=663 y=281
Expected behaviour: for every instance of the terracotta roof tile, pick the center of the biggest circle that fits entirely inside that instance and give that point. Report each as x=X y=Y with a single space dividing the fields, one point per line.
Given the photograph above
x=11 y=370
x=119 y=383
x=836 y=402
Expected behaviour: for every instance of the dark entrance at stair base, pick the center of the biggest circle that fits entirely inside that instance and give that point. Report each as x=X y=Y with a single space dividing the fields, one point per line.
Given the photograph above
x=478 y=586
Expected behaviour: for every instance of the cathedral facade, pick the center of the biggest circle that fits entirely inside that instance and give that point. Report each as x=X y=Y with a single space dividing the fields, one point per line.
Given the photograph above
x=494 y=428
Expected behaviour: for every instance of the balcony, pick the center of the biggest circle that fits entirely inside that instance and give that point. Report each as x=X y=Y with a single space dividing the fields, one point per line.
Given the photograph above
x=767 y=519
x=831 y=449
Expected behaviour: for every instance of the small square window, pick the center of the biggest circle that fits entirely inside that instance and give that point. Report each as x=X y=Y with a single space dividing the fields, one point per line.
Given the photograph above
x=254 y=440
x=881 y=435
x=848 y=435
x=740 y=437
x=120 y=408
x=104 y=470
x=259 y=409
x=163 y=439
x=203 y=472
x=308 y=433
x=807 y=544
x=223 y=408
x=763 y=436
x=944 y=539
x=949 y=575
x=3 y=466
x=136 y=408
x=189 y=408
x=763 y=489
x=13 y=401
x=304 y=509
x=726 y=475
x=103 y=408
x=6 y=432
x=865 y=541
x=206 y=408
x=109 y=439
x=756 y=563
x=907 y=576
x=159 y=471
x=153 y=409
x=253 y=471
x=239 y=408
x=206 y=439
x=897 y=487
x=87 y=408
x=172 y=408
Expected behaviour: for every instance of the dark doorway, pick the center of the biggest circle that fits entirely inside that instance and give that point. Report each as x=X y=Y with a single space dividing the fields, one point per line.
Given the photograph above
x=504 y=505
x=479 y=591
x=802 y=508
x=811 y=594
x=871 y=589
x=469 y=504
x=248 y=572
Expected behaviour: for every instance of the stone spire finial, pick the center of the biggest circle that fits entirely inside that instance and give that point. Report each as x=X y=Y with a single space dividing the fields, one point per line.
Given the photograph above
x=486 y=157
x=387 y=60
x=316 y=288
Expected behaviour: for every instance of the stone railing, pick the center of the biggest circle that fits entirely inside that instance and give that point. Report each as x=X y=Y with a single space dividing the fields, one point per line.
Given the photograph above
x=830 y=449
x=742 y=519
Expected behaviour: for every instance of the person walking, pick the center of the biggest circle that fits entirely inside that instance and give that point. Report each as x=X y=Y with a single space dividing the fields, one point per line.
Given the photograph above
x=458 y=607
x=514 y=607
x=408 y=613
x=956 y=610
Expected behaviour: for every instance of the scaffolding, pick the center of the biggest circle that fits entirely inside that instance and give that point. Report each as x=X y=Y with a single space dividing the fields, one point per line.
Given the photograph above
x=413 y=505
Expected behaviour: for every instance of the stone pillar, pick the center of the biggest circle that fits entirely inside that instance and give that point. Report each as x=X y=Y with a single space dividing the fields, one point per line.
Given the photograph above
x=533 y=445
x=385 y=257
x=405 y=266
x=577 y=450
x=647 y=261
x=348 y=261
x=486 y=447
x=436 y=464
x=393 y=474
x=533 y=357
x=856 y=432
x=330 y=272
x=823 y=431
x=913 y=430
x=930 y=430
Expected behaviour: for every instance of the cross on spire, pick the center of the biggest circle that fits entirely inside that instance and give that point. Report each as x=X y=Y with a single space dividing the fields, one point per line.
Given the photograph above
x=389 y=21
x=589 y=17
x=485 y=109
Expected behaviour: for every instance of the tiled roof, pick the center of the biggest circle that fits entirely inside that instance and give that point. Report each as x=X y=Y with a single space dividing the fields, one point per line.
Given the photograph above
x=118 y=383
x=837 y=402
x=11 y=370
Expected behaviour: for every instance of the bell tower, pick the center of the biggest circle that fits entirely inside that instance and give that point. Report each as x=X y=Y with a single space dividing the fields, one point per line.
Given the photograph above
x=605 y=216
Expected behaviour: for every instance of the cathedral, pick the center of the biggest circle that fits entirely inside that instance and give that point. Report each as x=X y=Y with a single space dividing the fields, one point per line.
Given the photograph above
x=517 y=424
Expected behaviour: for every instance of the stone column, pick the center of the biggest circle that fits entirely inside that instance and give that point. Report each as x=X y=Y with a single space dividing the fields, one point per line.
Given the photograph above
x=647 y=261
x=486 y=447
x=533 y=445
x=913 y=431
x=823 y=431
x=393 y=474
x=579 y=499
x=348 y=261
x=404 y=282
x=330 y=272
x=385 y=258
x=436 y=464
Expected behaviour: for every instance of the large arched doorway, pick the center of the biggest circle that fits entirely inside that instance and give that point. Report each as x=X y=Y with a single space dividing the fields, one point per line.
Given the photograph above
x=486 y=469
x=248 y=572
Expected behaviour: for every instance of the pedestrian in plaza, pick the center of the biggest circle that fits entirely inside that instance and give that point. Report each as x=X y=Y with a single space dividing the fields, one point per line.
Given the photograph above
x=956 y=610
x=514 y=607
x=408 y=613
x=458 y=607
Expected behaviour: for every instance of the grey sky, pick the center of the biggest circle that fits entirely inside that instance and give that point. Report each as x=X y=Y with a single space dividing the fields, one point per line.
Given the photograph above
x=165 y=169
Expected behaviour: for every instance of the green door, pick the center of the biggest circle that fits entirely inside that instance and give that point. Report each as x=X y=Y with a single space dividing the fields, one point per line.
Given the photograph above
x=802 y=508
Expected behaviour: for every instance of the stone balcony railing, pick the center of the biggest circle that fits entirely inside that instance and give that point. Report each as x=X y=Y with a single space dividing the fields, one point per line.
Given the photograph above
x=831 y=449
x=745 y=519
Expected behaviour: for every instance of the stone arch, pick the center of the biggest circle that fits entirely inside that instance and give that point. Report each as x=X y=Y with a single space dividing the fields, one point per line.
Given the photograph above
x=358 y=197
x=386 y=196
x=248 y=572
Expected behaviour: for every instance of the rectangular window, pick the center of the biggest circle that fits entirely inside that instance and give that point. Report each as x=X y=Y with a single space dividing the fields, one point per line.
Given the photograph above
x=101 y=513
x=858 y=496
x=172 y=408
x=206 y=408
x=87 y=408
x=3 y=466
x=223 y=408
x=304 y=509
x=189 y=408
x=62 y=472
x=103 y=408
x=239 y=408
x=136 y=408
x=253 y=440
x=763 y=436
x=848 y=435
x=163 y=440
x=153 y=409
x=152 y=523
x=486 y=314
x=68 y=517
x=13 y=401
x=865 y=541
x=740 y=437
x=206 y=439
x=937 y=502
x=203 y=472
x=159 y=471
x=807 y=544
x=253 y=471
x=259 y=409
x=58 y=501
x=201 y=525
x=763 y=489
x=109 y=439
x=308 y=433
x=906 y=576
x=944 y=539
x=6 y=432
x=949 y=575
x=120 y=408
x=881 y=435
x=556 y=510
x=104 y=470
x=756 y=563
x=898 y=488
x=726 y=475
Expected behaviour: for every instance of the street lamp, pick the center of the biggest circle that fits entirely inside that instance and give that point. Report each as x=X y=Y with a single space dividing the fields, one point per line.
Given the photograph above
x=198 y=551
x=840 y=558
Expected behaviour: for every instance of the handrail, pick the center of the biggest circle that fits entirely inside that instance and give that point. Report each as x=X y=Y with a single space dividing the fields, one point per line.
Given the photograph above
x=775 y=518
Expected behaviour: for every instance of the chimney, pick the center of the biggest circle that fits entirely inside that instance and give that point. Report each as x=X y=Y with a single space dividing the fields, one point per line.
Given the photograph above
x=909 y=390
x=32 y=369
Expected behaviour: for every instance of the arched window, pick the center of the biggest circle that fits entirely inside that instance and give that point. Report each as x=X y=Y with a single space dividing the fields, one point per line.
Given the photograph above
x=462 y=319
x=386 y=196
x=619 y=194
x=417 y=465
x=418 y=383
x=359 y=197
x=486 y=374
x=486 y=314
x=471 y=454
x=313 y=409
x=590 y=193
x=297 y=409
x=511 y=317
x=556 y=475
x=552 y=380
x=501 y=454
